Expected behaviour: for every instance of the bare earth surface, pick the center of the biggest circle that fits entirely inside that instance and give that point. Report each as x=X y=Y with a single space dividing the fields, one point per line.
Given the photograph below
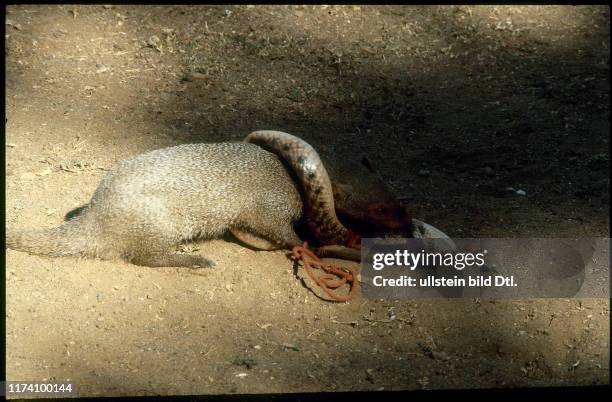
x=453 y=104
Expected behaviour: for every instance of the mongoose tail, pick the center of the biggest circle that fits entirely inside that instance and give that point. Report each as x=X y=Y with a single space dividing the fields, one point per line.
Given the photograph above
x=73 y=238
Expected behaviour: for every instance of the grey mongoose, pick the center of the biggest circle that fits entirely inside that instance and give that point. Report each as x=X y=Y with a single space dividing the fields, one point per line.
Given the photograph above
x=149 y=203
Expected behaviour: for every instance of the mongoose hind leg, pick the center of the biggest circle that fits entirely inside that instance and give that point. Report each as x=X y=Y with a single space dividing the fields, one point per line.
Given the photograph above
x=173 y=260
x=150 y=235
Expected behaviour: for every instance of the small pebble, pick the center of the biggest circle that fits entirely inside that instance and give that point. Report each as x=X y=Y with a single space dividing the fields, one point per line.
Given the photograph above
x=198 y=76
x=153 y=42
x=13 y=24
x=101 y=68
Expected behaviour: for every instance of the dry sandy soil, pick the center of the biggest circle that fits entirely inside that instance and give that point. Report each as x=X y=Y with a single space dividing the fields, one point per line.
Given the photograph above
x=454 y=104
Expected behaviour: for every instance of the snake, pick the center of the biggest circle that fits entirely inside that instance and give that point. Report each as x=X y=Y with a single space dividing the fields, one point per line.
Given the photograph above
x=337 y=241
x=305 y=162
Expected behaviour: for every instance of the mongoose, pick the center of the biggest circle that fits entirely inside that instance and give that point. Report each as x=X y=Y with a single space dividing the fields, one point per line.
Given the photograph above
x=149 y=203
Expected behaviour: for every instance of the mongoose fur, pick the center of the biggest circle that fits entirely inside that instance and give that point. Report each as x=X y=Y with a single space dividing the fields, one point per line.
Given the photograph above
x=149 y=203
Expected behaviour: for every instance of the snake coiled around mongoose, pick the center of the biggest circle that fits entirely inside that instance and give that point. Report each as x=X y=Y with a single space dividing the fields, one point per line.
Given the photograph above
x=305 y=162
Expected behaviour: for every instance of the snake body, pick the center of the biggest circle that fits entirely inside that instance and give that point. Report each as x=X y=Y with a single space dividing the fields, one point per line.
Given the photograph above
x=318 y=195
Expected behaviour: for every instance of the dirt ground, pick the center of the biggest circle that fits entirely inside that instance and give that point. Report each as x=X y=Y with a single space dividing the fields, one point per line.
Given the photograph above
x=453 y=104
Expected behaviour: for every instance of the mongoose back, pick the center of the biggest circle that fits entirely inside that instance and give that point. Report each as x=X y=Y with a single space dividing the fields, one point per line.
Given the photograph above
x=149 y=203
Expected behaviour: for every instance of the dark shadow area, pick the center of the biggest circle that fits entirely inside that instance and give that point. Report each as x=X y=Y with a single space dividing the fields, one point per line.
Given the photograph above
x=518 y=111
